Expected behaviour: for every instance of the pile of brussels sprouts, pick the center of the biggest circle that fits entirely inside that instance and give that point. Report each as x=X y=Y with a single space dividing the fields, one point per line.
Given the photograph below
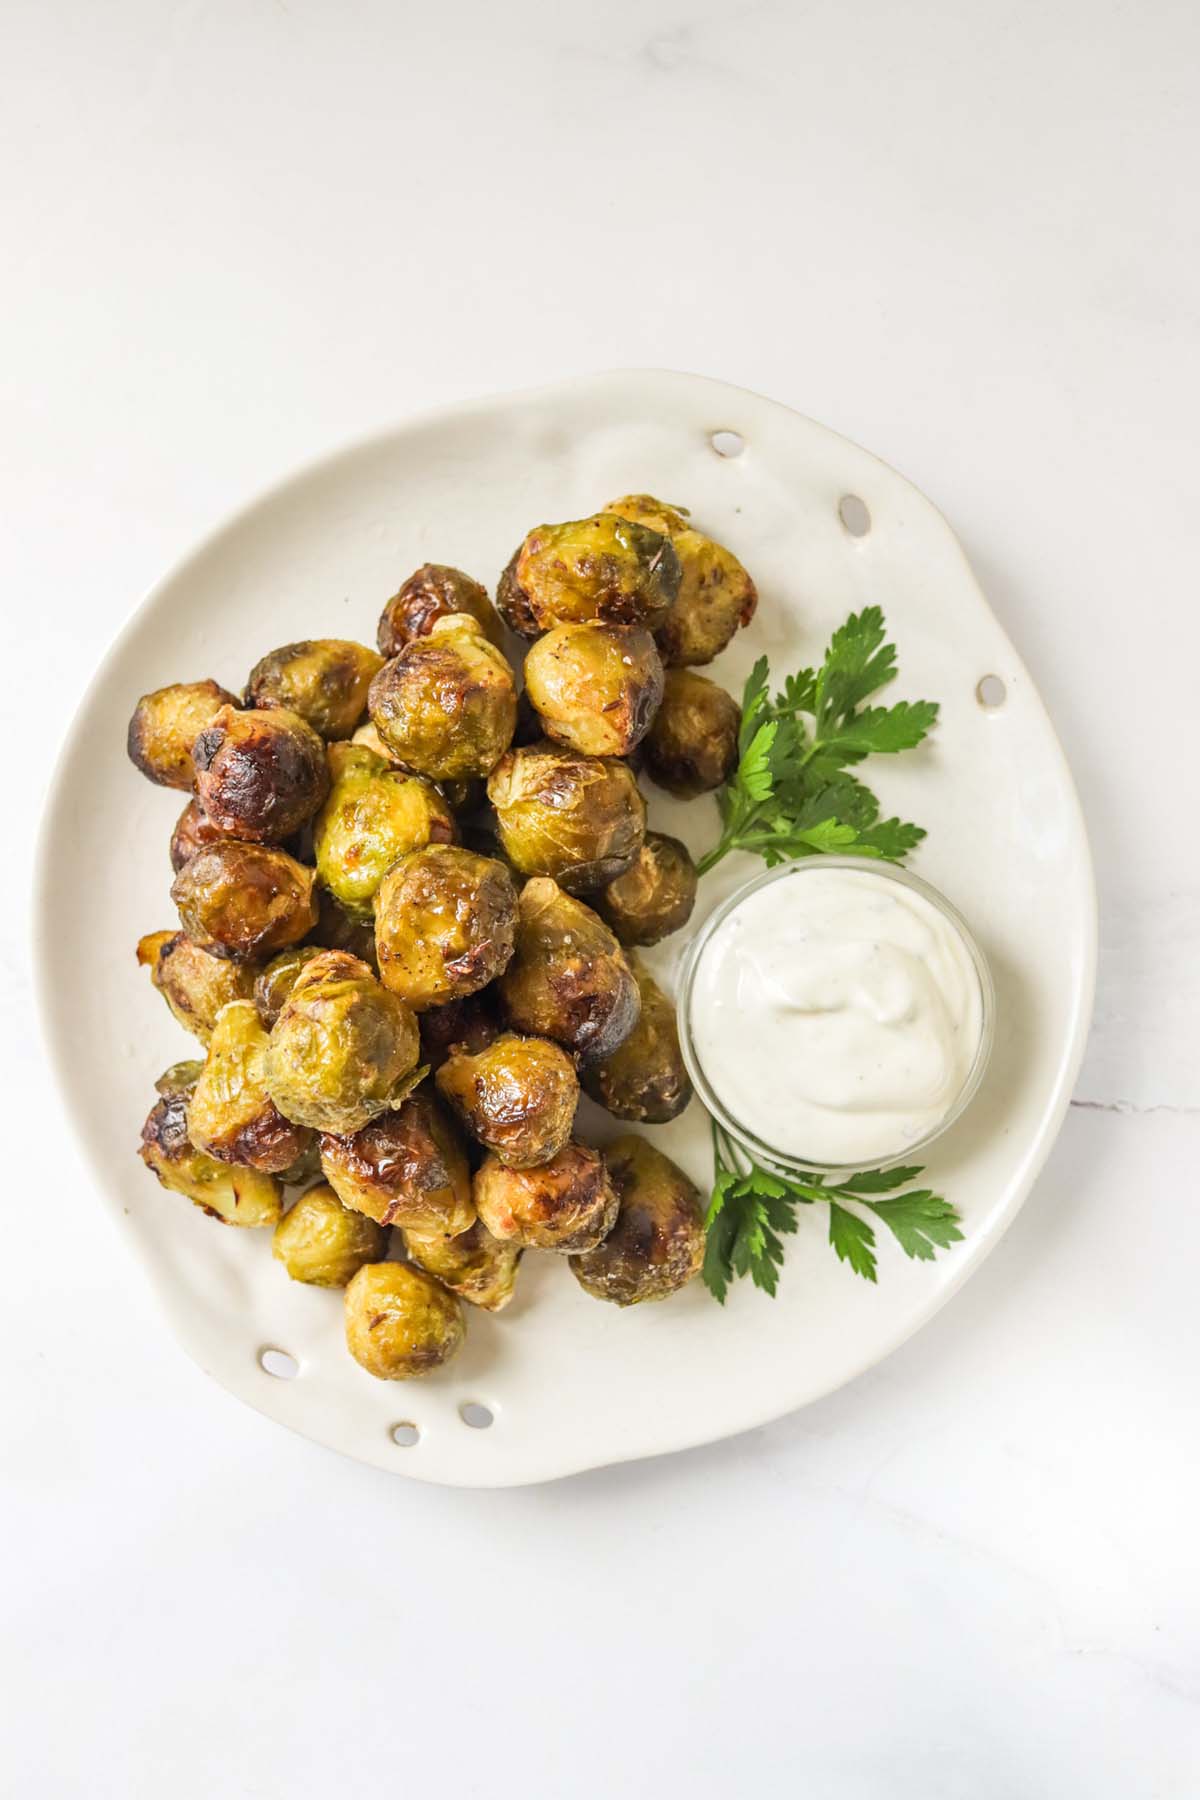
x=384 y=945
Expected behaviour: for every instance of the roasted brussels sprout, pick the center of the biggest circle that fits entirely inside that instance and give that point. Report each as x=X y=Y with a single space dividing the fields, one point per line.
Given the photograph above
x=518 y=1097
x=468 y=1025
x=692 y=746
x=604 y=568
x=595 y=687
x=434 y=591
x=407 y=1168
x=259 y=775
x=324 y=680
x=323 y=1243
x=231 y=1115
x=578 y=818
x=566 y=1204
x=336 y=929
x=474 y=1265
x=235 y=1196
x=655 y=896
x=444 y=922
x=657 y=1243
x=165 y=725
x=374 y=815
x=399 y=1322
x=716 y=596
x=569 y=979
x=194 y=983
x=245 y=900
x=446 y=705
x=645 y=1078
x=274 y=983
x=194 y=831
x=343 y=1050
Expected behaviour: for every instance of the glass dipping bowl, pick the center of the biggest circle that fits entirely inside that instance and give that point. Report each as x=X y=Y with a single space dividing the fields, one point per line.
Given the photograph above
x=785 y=1160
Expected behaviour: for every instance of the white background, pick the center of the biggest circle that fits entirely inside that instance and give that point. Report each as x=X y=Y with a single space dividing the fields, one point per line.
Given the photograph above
x=240 y=231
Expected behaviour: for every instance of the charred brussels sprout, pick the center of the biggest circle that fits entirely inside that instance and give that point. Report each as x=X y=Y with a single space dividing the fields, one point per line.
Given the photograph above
x=569 y=979
x=653 y=898
x=274 y=983
x=194 y=983
x=343 y=1049
x=259 y=775
x=324 y=680
x=231 y=1116
x=605 y=568
x=566 y=1204
x=407 y=1168
x=434 y=591
x=580 y=819
x=444 y=922
x=692 y=746
x=518 y=1097
x=657 y=1243
x=446 y=706
x=468 y=1025
x=716 y=595
x=399 y=1322
x=165 y=725
x=323 y=1243
x=194 y=831
x=596 y=687
x=235 y=1196
x=474 y=1265
x=645 y=1079
x=373 y=816
x=245 y=900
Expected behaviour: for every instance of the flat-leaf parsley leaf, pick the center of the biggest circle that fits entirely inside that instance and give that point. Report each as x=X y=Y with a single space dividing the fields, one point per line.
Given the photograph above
x=790 y=794
x=754 y=1208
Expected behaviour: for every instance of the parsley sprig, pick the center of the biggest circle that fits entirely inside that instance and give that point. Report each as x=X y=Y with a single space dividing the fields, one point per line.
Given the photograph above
x=791 y=794
x=753 y=1209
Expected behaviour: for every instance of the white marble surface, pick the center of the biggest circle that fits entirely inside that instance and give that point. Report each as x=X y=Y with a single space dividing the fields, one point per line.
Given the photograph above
x=965 y=235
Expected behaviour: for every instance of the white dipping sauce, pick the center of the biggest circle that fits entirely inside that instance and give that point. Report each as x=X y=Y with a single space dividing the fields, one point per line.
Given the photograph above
x=837 y=1015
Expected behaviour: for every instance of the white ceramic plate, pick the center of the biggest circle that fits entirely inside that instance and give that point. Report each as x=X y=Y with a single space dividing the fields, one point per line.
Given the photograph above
x=572 y=1383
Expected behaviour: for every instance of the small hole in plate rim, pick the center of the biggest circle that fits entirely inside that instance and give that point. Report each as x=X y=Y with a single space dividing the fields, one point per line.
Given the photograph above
x=991 y=693
x=475 y=1414
x=279 y=1363
x=854 y=515
x=727 y=443
x=406 y=1434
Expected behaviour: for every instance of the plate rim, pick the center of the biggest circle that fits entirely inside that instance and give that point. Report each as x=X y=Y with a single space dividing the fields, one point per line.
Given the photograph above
x=1058 y=1096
